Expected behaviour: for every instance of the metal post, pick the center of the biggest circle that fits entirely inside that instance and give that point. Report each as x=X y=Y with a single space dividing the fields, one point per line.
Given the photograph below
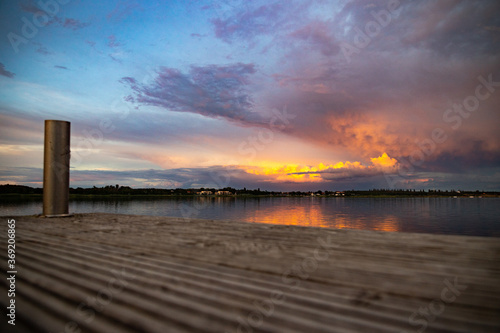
x=56 y=168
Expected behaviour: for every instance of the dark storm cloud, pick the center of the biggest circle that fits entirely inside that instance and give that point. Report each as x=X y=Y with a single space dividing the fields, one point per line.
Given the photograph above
x=210 y=177
x=343 y=174
x=212 y=91
x=5 y=72
x=318 y=35
x=453 y=28
x=398 y=86
x=250 y=22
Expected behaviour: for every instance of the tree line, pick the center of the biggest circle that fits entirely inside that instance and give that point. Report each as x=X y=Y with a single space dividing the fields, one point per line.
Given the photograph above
x=129 y=191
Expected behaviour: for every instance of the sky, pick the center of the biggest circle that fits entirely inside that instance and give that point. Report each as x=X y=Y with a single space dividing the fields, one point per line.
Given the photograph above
x=277 y=95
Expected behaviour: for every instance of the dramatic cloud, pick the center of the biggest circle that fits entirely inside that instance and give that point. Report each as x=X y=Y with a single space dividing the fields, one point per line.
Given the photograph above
x=339 y=171
x=212 y=91
x=391 y=93
x=249 y=23
x=318 y=35
x=408 y=89
x=5 y=72
x=210 y=177
x=453 y=28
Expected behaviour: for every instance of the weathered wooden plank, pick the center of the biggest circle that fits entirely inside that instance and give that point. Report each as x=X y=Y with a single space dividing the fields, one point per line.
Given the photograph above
x=157 y=274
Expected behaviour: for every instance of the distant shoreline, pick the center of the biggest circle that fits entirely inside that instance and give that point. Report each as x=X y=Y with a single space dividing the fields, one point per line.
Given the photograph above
x=18 y=196
x=117 y=191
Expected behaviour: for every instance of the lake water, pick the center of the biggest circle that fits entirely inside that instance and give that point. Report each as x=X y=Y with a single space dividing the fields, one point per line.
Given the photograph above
x=456 y=216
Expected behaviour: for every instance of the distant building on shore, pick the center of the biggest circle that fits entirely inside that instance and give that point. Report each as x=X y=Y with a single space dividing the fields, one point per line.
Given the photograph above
x=223 y=193
x=205 y=193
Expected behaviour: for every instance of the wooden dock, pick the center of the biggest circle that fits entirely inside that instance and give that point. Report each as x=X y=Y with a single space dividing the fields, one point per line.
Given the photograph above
x=124 y=273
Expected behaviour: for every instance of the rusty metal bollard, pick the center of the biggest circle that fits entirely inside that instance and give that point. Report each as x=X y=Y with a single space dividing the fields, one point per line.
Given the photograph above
x=56 y=168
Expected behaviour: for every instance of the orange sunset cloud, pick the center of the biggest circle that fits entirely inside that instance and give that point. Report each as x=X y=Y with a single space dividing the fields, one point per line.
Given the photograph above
x=304 y=173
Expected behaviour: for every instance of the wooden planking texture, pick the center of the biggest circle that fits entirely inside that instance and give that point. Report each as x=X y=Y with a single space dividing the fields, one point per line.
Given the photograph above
x=126 y=273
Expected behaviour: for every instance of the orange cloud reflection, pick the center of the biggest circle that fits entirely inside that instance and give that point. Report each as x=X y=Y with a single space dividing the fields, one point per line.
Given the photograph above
x=388 y=223
x=312 y=215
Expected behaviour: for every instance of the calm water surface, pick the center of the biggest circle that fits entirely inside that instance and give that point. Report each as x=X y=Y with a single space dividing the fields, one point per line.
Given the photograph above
x=458 y=216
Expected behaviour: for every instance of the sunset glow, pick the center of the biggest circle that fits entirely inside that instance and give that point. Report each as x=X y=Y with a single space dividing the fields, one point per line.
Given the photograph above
x=313 y=215
x=277 y=95
x=298 y=173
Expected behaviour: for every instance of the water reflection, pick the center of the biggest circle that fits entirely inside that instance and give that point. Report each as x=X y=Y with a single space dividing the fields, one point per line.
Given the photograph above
x=462 y=216
x=304 y=215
